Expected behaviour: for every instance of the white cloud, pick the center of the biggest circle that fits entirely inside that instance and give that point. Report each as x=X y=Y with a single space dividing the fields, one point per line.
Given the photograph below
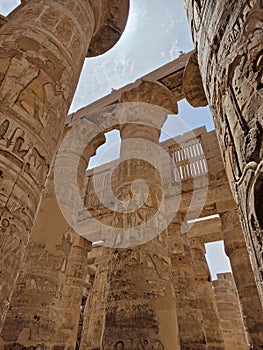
x=153 y=37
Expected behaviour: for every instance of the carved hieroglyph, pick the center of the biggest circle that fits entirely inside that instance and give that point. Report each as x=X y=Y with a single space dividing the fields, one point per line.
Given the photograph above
x=42 y=49
x=229 y=39
x=194 y=297
x=38 y=295
x=140 y=307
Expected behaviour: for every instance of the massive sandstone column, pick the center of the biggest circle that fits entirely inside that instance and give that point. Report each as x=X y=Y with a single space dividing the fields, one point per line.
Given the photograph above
x=72 y=294
x=190 y=318
x=32 y=317
x=236 y=250
x=140 y=306
x=207 y=302
x=42 y=50
x=229 y=39
x=94 y=314
x=228 y=306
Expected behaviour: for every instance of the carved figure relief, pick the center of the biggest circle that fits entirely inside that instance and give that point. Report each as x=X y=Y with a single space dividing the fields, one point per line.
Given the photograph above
x=14 y=140
x=147 y=344
x=119 y=345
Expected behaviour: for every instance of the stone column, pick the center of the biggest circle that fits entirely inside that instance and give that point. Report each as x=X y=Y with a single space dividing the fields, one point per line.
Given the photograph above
x=42 y=50
x=94 y=315
x=206 y=297
x=236 y=250
x=228 y=306
x=189 y=315
x=73 y=291
x=229 y=40
x=32 y=317
x=140 y=306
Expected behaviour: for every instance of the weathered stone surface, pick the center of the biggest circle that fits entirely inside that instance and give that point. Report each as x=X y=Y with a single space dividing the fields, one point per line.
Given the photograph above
x=158 y=295
x=190 y=310
x=228 y=37
x=38 y=296
x=206 y=297
x=189 y=315
x=94 y=315
x=244 y=278
x=42 y=48
x=140 y=308
x=228 y=306
x=73 y=290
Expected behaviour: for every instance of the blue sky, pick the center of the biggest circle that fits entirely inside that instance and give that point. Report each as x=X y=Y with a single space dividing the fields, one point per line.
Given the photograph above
x=156 y=32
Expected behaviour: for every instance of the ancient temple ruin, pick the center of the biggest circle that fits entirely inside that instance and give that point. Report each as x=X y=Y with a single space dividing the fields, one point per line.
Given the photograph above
x=114 y=257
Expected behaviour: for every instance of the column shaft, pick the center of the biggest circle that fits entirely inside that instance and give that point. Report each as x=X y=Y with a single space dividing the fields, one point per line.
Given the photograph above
x=38 y=294
x=244 y=278
x=207 y=302
x=94 y=315
x=140 y=306
x=189 y=315
x=229 y=40
x=228 y=306
x=42 y=50
x=73 y=291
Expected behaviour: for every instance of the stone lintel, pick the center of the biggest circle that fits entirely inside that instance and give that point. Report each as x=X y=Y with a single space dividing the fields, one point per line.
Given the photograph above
x=169 y=75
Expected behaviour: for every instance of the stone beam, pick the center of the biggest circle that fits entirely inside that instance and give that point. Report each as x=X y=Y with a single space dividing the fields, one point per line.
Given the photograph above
x=3 y=20
x=171 y=76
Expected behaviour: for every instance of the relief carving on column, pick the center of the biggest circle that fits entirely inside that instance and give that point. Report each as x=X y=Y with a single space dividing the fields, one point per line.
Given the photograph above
x=16 y=142
x=42 y=49
x=228 y=36
x=43 y=290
